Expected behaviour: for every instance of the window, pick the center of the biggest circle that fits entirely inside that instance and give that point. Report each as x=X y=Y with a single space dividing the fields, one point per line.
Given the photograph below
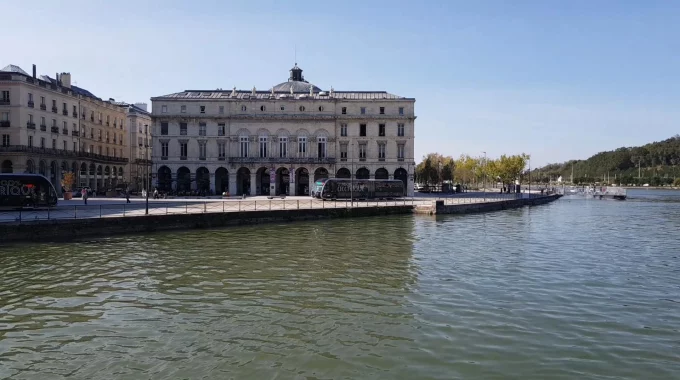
x=107 y=136
x=322 y=147
x=381 y=152
x=302 y=108
x=183 y=150
x=115 y=153
x=108 y=153
x=221 y=109
x=401 y=110
x=164 y=109
x=164 y=128
x=363 y=110
x=183 y=109
x=65 y=107
x=5 y=116
x=343 y=130
x=30 y=100
x=140 y=141
x=183 y=129
x=43 y=106
x=164 y=150
x=75 y=146
x=5 y=97
x=362 y=129
x=343 y=152
x=400 y=152
x=42 y=142
x=344 y=110
x=30 y=119
x=54 y=143
x=65 y=126
x=65 y=148
x=30 y=141
x=99 y=132
x=302 y=146
x=400 y=129
x=283 y=108
x=222 y=149
x=244 y=146
x=381 y=130
x=146 y=128
x=5 y=139
x=320 y=108
x=263 y=146
x=362 y=152
x=75 y=111
x=107 y=119
x=202 y=109
x=120 y=140
x=263 y=108
x=221 y=130
x=115 y=140
x=99 y=149
x=382 y=110
x=283 y=147
x=201 y=150
x=54 y=123
x=243 y=108
x=201 y=129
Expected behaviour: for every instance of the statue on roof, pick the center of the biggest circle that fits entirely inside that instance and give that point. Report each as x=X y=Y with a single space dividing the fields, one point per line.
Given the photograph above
x=291 y=90
x=254 y=91
x=233 y=91
x=311 y=89
x=331 y=90
x=272 y=91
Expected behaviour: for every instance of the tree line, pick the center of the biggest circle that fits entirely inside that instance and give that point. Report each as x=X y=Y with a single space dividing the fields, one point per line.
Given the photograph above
x=467 y=170
x=655 y=163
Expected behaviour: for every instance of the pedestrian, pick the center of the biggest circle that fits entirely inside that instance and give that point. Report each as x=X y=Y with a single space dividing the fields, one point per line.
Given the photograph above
x=155 y=193
x=84 y=194
x=127 y=195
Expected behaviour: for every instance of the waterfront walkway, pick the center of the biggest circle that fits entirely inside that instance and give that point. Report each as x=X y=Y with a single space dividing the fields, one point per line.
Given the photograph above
x=117 y=207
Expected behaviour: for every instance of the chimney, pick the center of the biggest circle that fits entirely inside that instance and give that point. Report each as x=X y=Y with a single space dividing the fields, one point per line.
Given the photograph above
x=33 y=71
x=65 y=79
x=141 y=105
x=56 y=78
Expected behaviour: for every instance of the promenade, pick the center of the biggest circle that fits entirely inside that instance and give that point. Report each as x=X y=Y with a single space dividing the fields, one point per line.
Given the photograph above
x=117 y=207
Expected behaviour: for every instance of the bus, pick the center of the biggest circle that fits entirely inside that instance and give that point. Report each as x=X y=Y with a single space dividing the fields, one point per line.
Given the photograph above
x=316 y=188
x=343 y=188
x=26 y=190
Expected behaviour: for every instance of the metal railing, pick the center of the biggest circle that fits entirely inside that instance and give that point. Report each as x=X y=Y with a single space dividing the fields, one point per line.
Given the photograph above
x=138 y=209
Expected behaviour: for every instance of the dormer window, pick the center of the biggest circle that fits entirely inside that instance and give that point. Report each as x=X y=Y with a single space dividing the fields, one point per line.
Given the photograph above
x=243 y=108
x=302 y=108
x=263 y=108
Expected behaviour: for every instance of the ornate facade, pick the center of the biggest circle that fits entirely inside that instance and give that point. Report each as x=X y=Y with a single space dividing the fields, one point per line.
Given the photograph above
x=280 y=140
x=49 y=126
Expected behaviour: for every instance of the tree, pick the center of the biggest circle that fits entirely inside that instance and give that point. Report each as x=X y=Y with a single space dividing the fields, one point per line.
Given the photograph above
x=68 y=180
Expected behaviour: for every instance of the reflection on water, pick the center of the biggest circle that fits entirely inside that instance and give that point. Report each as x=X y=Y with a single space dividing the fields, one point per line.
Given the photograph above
x=575 y=289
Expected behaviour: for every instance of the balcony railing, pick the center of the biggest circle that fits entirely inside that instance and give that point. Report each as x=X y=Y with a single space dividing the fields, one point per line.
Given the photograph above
x=30 y=125
x=279 y=160
x=64 y=131
x=4 y=124
x=43 y=107
x=60 y=152
x=54 y=129
x=75 y=114
x=164 y=158
x=183 y=158
x=4 y=102
x=31 y=104
x=54 y=109
x=64 y=112
x=183 y=132
x=75 y=133
x=43 y=127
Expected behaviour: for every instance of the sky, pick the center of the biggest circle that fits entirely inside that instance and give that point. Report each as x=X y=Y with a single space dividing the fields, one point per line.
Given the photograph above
x=558 y=80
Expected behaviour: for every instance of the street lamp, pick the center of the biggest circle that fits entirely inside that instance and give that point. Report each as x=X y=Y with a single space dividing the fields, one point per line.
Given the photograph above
x=440 y=176
x=484 y=180
x=146 y=165
x=351 y=178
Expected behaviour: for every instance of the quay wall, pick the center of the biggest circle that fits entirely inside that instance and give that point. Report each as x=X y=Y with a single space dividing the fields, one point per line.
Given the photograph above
x=67 y=230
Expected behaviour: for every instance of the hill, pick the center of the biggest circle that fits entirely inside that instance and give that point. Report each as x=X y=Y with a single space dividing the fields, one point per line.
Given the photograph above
x=658 y=165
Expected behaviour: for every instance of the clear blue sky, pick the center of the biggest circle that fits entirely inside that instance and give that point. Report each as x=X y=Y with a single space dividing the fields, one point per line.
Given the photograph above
x=556 y=79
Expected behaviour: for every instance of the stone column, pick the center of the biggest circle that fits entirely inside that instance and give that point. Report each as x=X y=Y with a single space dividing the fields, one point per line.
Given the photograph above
x=291 y=181
x=213 y=185
x=253 y=183
x=409 y=186
x=232 y=184
x=311 y=183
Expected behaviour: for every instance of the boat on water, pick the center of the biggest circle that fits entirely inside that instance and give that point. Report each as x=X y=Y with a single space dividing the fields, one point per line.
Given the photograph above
x=617 y=193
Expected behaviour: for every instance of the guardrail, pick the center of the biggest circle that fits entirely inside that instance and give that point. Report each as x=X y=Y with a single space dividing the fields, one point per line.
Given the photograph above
x=137 y=209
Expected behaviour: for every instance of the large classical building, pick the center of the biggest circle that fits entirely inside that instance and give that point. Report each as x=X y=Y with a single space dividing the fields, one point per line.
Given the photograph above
x=50 y=126
x=139 y=138
x=279 y=140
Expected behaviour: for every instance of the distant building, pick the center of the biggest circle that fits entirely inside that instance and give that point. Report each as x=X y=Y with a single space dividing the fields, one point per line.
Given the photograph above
x=49 y=126
x=139 y=127
x=280 y=140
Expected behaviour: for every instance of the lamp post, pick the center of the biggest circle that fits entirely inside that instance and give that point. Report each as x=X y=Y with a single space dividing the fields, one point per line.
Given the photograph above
x=146 y=180
x=440 y=175
x=351 y=177
x=484 y=180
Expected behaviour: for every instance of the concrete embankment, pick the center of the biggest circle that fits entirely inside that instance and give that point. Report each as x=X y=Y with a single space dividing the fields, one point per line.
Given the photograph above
x=66 y=230
x=440 y=207
x=69 y=229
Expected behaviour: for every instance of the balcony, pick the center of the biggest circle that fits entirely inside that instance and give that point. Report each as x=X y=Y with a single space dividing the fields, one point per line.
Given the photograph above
x=54 y=130
x=60 y=152
x=4 y=102
x=31 y=104
x=282 y=160
x=75 y=114
x=400 y=159
x=64 y=131
x=64 y=112
x=43 y=107
x=75 y=133
x=222 y=158
x=30 y=125
x=54 y=109
x=183 y=132
x=43 y=127
x=164 y=158
x=4 y=124
x=183 y=158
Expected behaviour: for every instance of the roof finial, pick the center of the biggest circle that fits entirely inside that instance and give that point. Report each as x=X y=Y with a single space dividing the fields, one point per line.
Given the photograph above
x=331 y=90
x=272 y=91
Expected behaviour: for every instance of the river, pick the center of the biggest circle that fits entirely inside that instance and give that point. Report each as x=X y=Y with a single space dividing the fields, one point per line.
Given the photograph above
x=576 y=289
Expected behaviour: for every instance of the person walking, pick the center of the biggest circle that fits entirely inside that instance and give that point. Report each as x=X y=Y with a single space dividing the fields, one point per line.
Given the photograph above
x=84 y=194
x=127 y=195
